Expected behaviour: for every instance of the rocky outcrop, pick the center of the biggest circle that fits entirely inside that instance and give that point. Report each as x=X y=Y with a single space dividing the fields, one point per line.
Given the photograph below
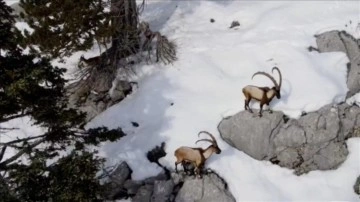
x=211 y=188
x=340 y=41
x=315 y=141
x=357 y=186
x=96 y=97
x=115 y=187
x=177 y=187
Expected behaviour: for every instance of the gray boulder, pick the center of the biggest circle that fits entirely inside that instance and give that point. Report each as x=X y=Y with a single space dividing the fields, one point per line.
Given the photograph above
x=315 y=141
x=94 y=100
x=162 y=190
x=144 y=194
x=132 y=186
x=115 y=185
x=242 y=131
x=177 y=187
x=211 y=188
x=340 y=41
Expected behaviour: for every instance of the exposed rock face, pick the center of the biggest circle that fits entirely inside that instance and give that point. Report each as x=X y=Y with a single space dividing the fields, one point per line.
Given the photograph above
x=176 y=187
x=357 y=186
x=115 y=186
x=253 y=137
x=314 y=141
x=94 y=100
x=333 y=41
x=211 y=188
x=166 y=186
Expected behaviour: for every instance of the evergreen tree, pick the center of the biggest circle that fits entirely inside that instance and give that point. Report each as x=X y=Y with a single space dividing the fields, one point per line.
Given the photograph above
x=61 y=27
x=64 y=26
x=30 y=86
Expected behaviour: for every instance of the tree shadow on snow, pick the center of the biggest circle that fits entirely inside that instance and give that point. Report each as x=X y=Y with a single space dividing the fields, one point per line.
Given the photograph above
x=143 y=118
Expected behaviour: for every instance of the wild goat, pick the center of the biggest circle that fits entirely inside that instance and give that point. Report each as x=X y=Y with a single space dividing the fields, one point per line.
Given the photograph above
x=90 y=62
x=262 y=94
x=197 y=156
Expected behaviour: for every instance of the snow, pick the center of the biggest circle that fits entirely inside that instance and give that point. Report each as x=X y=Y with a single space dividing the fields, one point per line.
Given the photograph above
x=355 y=99
x=173 y=103
x=20 y=128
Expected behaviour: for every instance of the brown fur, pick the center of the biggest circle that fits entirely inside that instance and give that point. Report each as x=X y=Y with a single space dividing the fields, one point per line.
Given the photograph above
x=93 y=61
x=262 y=94
x=195 y=155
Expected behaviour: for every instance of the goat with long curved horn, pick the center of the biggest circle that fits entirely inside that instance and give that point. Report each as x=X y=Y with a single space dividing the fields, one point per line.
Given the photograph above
x=262 y=94
x=196 y=156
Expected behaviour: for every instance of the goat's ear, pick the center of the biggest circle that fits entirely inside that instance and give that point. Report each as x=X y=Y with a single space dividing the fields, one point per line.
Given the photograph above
x=82 y=57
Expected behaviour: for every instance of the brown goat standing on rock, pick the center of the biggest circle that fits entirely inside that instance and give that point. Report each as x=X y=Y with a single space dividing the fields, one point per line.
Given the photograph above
x=262 y=94
x=197 y=156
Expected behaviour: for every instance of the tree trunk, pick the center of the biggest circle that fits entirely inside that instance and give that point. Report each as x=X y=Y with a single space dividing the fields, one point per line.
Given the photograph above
x=125 y=40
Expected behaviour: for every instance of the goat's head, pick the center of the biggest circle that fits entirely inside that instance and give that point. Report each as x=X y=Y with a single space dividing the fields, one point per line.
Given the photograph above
x=213 y=142
x=82 y=62
x=277 y=86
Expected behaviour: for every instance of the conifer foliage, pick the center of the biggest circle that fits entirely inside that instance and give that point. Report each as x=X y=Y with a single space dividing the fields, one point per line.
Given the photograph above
x=31 y=87
x=64 y=26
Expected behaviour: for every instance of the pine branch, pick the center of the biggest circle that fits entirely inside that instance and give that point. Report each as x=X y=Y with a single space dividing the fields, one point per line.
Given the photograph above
x=20 y=153
x=5 y=119
x=22 y=140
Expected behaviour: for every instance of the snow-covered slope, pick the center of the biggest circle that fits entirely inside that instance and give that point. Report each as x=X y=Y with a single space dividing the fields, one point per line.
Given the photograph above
x=204 y=85
x=173 y=103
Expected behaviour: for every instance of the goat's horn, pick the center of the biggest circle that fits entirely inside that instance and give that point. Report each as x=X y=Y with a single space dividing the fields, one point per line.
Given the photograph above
x=212 y=137
x=280 y=77
x=206 y=140
x=269 y=76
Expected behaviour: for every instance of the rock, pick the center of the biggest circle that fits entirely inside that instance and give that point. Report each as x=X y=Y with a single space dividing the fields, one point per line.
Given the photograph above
x=162 y=190
x=250 y=133
x=120 y=89
x=115 y=185
x=132 y=186
x=321 y=126
x=212 y=20
x=350 y=121
x=357 y=186
x=160 y=176
x=211 y=188
x=177 y=187
x=334 y=41
x=135 y=124
x=234 y=23
x=330 y=42
x=315 y=141
x=331 y=156
x=99 y=91
x=144 y=194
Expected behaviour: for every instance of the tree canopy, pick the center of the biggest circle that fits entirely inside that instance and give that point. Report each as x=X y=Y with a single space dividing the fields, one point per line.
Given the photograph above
x=58 y=165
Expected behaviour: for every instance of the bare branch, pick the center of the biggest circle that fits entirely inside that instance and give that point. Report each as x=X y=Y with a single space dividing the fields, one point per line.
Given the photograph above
x=20 y=153
x=3 y=149
x=5 y=130
x=5 y=119
x=22 y=140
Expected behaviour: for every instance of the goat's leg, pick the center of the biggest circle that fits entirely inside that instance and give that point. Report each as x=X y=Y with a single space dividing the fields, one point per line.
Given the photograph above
x=269 y=109
x=247 y=107
x=197 y=172
x=176 y=163
x=261 y=108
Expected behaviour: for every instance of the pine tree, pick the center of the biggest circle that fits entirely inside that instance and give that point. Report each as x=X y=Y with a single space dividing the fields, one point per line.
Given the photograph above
x=31 y=87
x=64 y=26
x=61 y=27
